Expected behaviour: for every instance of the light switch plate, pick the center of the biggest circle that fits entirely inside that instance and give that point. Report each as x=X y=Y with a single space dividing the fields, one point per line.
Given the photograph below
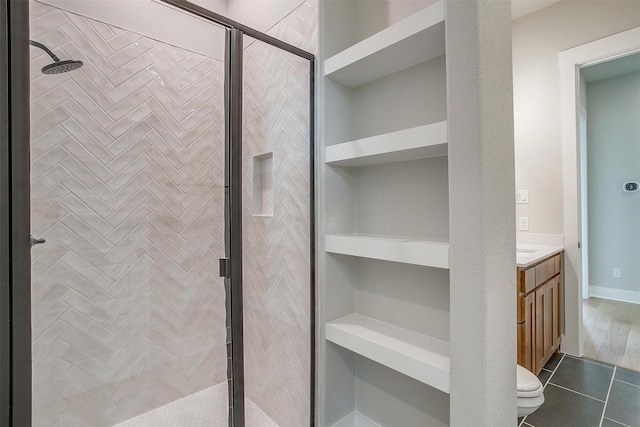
x=523 y=223
x=522 y=196
x=617 y=273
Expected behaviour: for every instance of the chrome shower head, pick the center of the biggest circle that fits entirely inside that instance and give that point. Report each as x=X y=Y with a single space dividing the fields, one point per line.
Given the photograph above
x=58 y=66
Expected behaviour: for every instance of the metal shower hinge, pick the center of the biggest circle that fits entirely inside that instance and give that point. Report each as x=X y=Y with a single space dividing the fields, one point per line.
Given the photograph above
x=225 y=267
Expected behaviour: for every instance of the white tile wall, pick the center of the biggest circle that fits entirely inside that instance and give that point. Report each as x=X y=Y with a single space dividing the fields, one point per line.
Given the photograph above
x=127 y=188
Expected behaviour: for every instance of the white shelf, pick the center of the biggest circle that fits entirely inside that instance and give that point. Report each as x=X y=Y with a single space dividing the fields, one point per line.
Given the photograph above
x=411 y=41
x=414 y=143
x=417 y=252
x=355 y=419
x=423 y=358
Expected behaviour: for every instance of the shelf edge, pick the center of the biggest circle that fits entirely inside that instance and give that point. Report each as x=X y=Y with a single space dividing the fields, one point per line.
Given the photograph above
x=435 y=374
x=406 y=144
x=418 y=252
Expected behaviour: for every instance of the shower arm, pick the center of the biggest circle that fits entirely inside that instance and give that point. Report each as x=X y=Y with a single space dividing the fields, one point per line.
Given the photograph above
x=46 y=49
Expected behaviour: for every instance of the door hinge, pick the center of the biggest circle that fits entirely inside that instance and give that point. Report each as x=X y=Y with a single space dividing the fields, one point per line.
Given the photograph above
x=225 y=267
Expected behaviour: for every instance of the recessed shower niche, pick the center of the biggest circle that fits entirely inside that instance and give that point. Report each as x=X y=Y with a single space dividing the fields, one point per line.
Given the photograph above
x=263 y=185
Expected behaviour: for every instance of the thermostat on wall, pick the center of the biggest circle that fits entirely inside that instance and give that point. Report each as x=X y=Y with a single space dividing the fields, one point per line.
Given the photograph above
x=631 y=186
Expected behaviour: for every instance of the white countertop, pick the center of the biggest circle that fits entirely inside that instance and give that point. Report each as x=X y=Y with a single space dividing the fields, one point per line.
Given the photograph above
x=527 y=255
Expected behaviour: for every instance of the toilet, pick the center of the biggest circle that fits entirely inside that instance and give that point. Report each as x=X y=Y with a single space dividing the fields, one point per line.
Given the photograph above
x=530 y=392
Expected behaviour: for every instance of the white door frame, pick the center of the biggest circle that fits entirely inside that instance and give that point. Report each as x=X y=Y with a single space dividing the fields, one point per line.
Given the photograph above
x=584 y=196
x=571 y=60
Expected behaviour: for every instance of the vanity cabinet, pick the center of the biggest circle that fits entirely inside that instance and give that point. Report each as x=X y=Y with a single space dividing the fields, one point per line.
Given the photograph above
x=539 y=312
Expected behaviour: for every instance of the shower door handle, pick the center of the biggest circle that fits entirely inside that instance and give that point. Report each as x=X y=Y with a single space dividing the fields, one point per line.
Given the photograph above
x=39 y=241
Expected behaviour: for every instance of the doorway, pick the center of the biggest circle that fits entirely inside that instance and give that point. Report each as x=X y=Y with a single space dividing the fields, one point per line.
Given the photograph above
x=571 y=62
x=611 y=161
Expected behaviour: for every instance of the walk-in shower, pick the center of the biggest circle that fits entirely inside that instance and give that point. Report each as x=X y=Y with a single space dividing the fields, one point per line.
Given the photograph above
x=157 y=154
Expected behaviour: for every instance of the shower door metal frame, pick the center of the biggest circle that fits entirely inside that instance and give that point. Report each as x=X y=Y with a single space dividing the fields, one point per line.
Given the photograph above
x=233 y=232
x=15 y=223
x=15 y=249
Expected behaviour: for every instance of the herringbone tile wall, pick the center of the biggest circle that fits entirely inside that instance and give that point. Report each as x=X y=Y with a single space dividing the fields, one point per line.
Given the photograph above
x=276 y=249
x=127 y=188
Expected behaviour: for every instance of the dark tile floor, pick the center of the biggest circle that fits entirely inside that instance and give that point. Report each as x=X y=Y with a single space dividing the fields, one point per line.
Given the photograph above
x=583 y=393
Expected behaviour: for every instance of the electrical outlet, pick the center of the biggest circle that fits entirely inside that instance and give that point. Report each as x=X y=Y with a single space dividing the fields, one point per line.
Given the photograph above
x=523 y=223
x=617 y=273
x=522 y=196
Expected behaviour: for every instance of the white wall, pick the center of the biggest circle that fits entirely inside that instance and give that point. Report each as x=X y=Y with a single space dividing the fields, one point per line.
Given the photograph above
x=613 y=130
x=537 y=40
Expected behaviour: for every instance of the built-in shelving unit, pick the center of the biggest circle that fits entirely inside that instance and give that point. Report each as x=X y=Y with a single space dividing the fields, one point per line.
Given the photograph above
x=417 y=252
x=407 y=144
x=418 y=356
x=409 y=42
x=401 y=129
x=385 y=229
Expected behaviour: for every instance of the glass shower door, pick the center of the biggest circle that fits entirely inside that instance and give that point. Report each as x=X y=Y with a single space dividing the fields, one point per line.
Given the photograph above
x=277 y=236
x=127 y=187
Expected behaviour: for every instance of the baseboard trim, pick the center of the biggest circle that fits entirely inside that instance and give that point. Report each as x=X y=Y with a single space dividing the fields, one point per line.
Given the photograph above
x=614 y=294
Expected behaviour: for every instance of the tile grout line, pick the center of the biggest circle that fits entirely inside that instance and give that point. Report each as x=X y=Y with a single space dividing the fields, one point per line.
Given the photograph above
x=604 y=409
x=556 y=368
x=624 y=382
x=617 y=422
x=545 y=384
x=595 y=362
x=577 y=392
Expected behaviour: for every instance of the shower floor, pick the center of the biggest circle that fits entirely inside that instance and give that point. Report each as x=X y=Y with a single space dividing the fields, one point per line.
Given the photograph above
x=206 y=408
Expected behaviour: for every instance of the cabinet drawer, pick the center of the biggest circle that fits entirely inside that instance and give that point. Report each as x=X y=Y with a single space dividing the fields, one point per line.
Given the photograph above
x=545 y=271
x=557 y=263
x=527 y=280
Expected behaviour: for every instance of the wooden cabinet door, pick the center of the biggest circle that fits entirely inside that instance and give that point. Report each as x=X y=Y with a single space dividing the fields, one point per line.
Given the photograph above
x=547 y=321
x=549 y=318
x=526 y=331
x=555 y=300
x=541 y=319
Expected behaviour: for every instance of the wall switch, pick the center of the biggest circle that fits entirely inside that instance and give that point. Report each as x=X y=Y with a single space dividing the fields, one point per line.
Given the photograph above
x=523 y=223
x=617 y=273
x=522 y=196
